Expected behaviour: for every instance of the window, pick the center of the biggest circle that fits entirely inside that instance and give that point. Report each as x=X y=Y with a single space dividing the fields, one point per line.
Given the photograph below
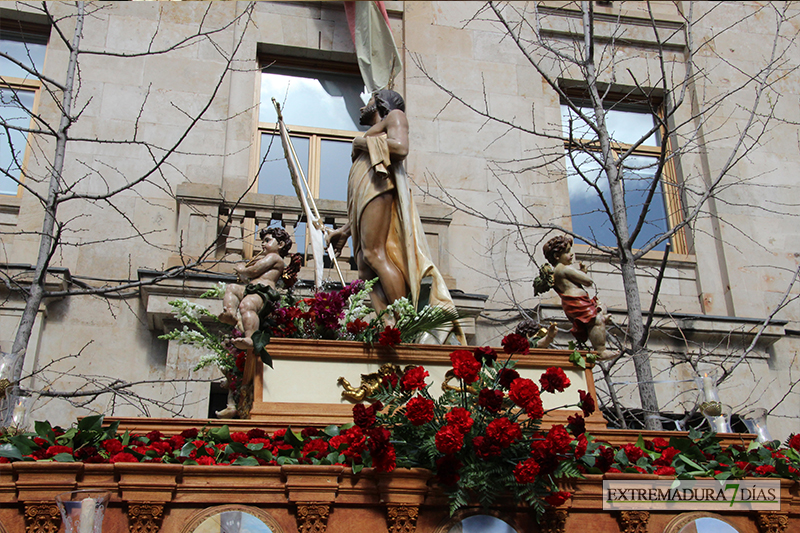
x=626 y=125
x=26 y=43
x=321 y=110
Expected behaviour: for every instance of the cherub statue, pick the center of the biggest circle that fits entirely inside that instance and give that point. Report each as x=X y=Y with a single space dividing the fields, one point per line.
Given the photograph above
x=242 y=303
x=585 y=313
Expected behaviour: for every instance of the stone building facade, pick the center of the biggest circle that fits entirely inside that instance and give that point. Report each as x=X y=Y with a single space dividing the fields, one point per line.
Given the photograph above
x=728 y=271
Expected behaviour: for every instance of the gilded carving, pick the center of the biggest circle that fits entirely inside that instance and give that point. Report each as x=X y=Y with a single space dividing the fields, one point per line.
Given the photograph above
x=554 y=521
x=633 y=521
x=772 y=522
x=312 y=517
x=402 y=518
x=42 y=518
x=370 y=383
x=145 y=517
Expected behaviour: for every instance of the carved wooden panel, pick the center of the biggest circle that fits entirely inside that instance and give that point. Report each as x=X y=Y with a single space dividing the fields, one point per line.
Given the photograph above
x=145 y=517
x=402 y=518
x=42 y=517
x=633 y=521
x=772 y=522
x=554 y=521
x=312 y=517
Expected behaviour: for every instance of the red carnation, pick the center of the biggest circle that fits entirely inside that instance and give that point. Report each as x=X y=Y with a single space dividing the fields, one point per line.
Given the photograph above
x=515 y=343
x=364 y=417
x=486 y=447
x=257 y=433
x=580 y=447
x=315 y=448
x=587 y=403
x=112 y=446
x=794 y=442
x=633 y=452
x=503 y=431
x=123 y=457
x=522 y=391
x=389 y=337
x=535 y=409
x=491 y=400
x=447 y=469
x=576 y=425
x=459 y=418
x=659 y=443
x=356 y=326
x=419 y=410
x=465 y=366
x=189 y=433
x=206 y=460
x=486 y=355
x=239 y=436
x=558 y=439
x=506 y=377
x=765 y=470
x=414 y=378
x=665 y=471
x=554 y=379
x=449 y=440
x=557 y=498
x=525 y=472
x=52 y=451
x=386 y=460
x=667 y=455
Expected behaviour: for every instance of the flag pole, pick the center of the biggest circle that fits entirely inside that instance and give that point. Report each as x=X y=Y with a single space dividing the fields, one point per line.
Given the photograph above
x=304 y=195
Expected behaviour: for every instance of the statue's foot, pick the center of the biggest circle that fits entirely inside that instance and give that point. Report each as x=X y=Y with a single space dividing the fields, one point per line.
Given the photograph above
x=226 y=317
x=243 y=343
x=228 y=412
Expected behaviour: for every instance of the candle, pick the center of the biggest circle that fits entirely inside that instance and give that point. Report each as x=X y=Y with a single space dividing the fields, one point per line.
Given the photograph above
x=719 y=422
x=708 y=388
x=87 y=516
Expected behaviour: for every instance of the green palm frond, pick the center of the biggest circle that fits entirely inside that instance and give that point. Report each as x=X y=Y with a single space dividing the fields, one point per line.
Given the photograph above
x=428 y=319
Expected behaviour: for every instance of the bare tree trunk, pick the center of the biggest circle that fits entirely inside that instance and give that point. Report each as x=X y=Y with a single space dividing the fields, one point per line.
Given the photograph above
x=48 y=235
x=613 y=170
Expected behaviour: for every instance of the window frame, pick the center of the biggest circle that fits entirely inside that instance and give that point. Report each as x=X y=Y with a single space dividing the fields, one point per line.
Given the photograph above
x=315 y=134
x=25 y=84
x=673 y=203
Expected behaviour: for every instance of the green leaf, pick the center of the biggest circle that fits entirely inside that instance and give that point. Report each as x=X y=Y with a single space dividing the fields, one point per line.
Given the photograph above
x=333 y=457
x=63 y=458
x=246 y=461
x=111 y=431
x=331 y=431
x=238 y=447
x=91 y=423
x=295 y=439
x=260 y=340
x=45 y=431
x=25 y=445
x=188 y=448
x=577 y=359
x=691 y=463
x=357 y=468
x=126 y=438
x=222 y=433
x=695 y=433
x=10 y=451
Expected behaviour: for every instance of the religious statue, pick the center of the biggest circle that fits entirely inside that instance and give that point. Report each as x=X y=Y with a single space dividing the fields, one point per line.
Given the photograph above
x=388 y=239
x=538 y=336
x=585 y=313
x=242 y=302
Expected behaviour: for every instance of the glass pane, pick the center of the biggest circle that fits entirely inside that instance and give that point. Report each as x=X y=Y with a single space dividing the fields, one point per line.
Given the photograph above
x=334 y=169
x=30 y=53
x=625 y=127
x=588 y=215
x=274 y=177
x=708 y=525
x=314 y=99
x=14 y=107
x=482 y=524
x=232 y=522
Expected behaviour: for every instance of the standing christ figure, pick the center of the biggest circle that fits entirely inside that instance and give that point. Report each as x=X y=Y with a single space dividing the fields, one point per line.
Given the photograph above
x=388 y=239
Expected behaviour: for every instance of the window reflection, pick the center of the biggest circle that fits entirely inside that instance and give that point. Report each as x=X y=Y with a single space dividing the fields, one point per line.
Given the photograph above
x=232 y=522
x=28 y=49
x=625 y=127
x=708 y=524
x=334 y=168
x=319 y=99
x=588 y=215
x=15 y=108
x=482 y=524
x=274 y=177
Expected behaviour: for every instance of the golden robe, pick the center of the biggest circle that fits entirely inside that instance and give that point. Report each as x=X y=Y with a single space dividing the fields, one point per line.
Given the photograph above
x=373 y=174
